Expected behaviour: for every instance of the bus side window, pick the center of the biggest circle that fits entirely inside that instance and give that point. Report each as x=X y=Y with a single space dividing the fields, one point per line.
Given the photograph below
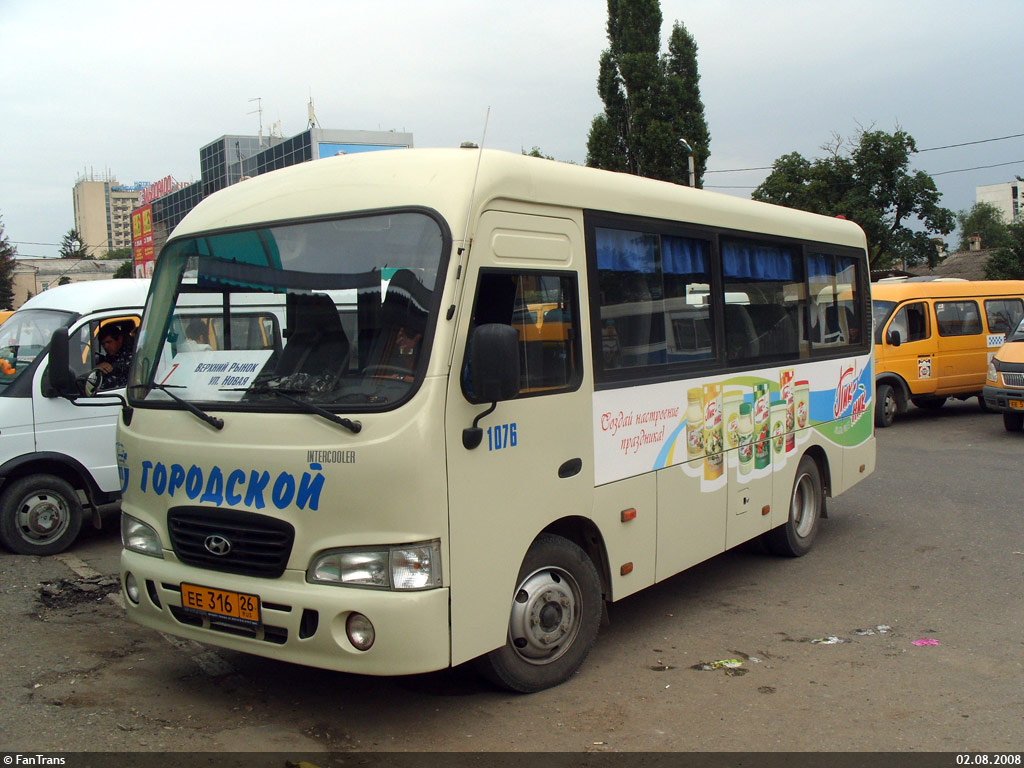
x=542 y=307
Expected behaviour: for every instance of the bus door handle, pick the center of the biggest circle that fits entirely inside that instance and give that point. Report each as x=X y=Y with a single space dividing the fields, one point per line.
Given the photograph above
x=570 y=468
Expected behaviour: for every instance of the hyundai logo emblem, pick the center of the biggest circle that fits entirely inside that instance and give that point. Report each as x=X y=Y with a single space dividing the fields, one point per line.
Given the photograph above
x=217 y=545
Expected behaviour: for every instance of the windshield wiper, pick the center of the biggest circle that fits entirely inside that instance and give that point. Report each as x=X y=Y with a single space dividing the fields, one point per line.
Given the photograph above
x=213 y=421
x=353 y=426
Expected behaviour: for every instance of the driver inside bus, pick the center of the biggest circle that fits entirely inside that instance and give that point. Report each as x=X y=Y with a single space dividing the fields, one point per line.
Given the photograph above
x=117 y=357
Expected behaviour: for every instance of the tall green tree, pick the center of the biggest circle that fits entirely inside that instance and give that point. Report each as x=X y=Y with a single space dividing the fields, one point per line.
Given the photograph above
x=71 y=246
x=8 y=253
x=983 y=220
x=869 y=181
x=1008 y=262
x=652 y=101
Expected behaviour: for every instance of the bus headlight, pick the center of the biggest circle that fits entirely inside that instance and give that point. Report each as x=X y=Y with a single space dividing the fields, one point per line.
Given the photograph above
x=400 y=567
x=993 y=371
x=139 y=537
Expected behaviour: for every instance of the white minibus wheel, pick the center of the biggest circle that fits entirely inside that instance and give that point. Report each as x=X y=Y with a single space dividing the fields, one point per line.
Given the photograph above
x=553 y=621
x=39 y=515
x=795 y=537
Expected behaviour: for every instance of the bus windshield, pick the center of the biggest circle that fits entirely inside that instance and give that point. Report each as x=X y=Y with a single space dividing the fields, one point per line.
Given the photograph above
x=334 y=314
x=24 y=337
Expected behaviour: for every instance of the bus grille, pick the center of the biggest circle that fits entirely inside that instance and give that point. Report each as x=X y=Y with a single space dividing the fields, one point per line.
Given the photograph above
x=1013 y=379
x=256 y=545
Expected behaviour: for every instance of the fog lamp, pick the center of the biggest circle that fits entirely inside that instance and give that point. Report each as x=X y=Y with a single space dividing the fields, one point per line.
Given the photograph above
x=360 y=631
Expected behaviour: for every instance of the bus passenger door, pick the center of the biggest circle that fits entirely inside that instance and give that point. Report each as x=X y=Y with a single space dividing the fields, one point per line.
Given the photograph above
x=533 y=463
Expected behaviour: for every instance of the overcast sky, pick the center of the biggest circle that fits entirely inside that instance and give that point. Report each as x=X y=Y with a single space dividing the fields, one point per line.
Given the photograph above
x=134 y=89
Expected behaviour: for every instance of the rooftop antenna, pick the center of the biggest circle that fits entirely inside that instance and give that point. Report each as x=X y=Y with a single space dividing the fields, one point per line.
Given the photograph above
x=313 y=122
x=472 y=194
x=259 y=110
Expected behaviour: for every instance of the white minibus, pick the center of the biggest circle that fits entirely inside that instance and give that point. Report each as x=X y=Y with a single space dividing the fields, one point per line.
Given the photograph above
x=57 y=464
x=496 y=407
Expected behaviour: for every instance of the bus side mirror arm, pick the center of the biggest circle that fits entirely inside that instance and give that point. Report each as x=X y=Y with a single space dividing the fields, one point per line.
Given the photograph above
x=494 y=369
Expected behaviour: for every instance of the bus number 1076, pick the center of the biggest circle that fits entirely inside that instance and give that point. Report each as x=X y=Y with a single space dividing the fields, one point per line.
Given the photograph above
x=501 y=436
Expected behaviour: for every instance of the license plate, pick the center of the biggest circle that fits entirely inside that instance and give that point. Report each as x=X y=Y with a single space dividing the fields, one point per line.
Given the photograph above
x=1018 y=404
x=236 y=606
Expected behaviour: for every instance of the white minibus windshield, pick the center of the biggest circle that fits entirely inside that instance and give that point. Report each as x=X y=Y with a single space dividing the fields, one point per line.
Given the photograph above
x=332 y=313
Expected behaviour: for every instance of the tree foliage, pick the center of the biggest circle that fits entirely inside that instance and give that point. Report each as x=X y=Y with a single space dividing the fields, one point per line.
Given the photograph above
x=125 y=270
x=71 y=246
x=651 y=101
x=1008 y=262
x=985 y=221
x=869 y=181
x=8 y=253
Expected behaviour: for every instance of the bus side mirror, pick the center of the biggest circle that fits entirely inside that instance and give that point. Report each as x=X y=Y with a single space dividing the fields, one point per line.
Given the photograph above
x=894 y=338
x=494 y=372
x=495 y=362
x=62 y=380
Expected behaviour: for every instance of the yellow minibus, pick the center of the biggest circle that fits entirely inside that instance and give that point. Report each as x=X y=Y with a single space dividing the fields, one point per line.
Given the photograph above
x=934 y=339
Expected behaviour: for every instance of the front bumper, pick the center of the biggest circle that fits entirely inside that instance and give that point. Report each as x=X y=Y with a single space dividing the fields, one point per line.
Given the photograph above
x=301 y=622
x=998 y=399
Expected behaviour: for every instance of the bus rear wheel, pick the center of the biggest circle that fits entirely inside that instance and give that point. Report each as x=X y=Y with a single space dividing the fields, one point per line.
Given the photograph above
x=553 y=619
x=795 y=537
x=39 y=515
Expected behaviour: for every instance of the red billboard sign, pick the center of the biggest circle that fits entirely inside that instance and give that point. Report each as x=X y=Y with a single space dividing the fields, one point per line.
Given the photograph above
x=142 y=241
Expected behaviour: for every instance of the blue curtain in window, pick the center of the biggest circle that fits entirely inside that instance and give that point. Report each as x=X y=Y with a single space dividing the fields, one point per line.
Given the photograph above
x=820 y=265
x=683 y=256
x=622 y=251
x=757 y=261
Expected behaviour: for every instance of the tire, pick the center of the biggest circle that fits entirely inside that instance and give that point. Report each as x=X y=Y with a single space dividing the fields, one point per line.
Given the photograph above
x=1013 y=422
x=553 y=622
x=806 y=502
x=39 y=515
x=886 y=405
x=929 y=403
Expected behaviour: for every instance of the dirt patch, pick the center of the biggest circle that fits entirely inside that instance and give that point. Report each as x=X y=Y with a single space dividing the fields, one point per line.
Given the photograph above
x=67 y=593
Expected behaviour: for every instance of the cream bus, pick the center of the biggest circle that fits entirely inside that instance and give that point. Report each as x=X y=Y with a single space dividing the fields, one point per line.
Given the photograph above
x=469 y=442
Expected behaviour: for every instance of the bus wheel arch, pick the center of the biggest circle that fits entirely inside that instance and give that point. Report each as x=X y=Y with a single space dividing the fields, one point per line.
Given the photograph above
x=553 y=618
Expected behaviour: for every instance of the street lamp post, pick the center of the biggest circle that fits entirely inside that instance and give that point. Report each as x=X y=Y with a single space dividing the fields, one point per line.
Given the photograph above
x=689 y=151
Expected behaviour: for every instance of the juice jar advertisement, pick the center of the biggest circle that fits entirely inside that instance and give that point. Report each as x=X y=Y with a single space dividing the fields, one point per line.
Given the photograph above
x=803 y=400
x=731 y=403
x=762 y=426
x=778 y=427
x=745 y=440
x=787 y=395
x=714 y=436
x=694 y=423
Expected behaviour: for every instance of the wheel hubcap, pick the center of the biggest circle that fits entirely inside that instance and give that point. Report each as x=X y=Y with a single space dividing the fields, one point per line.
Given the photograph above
x=803 y=509
x=43 y=517
x=890 y=407
x=545 y=615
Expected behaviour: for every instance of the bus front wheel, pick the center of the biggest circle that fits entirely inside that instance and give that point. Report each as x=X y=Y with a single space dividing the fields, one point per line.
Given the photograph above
x=553 y=619
x=795 y=537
